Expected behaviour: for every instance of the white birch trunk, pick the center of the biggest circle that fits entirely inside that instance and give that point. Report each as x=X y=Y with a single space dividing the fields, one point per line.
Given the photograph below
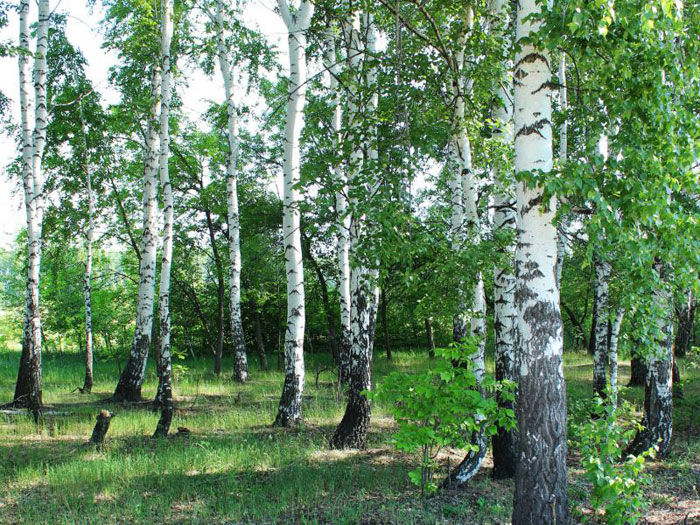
x=600 y=340
x=353 y=428
x=28 y=391
x=89 y=237
x=614 y=339
x=564 y=105
x=563 y=158
x=129 y=386
x=460 y=154
x=342 y=211
x=505 y=314
x=297 y=23
x=540 y=479
x=658 y=391
x=466 y=226
x=165 y=362
x=240 y=358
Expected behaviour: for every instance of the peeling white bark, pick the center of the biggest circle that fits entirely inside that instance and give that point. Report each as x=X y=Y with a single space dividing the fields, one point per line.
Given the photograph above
x=240 y=359
x=364 y=292
x=466 y=227
x=297 y=23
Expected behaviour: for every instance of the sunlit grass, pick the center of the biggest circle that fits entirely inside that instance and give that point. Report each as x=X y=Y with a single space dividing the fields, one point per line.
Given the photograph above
x=234 y=467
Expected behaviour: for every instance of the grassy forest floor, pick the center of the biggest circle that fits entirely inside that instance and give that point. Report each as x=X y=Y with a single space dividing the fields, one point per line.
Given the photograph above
x=235 y=468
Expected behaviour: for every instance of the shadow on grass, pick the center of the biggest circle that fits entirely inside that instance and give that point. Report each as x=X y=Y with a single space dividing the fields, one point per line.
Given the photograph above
x=331 y=489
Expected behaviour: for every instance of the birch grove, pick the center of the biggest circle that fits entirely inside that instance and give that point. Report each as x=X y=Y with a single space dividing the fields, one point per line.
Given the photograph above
x=297 y=22
x=434 y=174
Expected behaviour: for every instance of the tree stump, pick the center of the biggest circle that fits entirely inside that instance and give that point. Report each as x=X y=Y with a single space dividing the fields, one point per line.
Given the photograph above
x=101 y=427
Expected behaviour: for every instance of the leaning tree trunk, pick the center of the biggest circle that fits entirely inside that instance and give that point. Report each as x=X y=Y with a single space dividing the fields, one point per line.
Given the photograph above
x=240 y=359
x=504 y=442
x=131 y=379
x=259 y=337
x=220 y=287
x=658 y=392
x=331 y=62
x=540 y=477
x=28 y=391
x=686 y=321
x=289 y=412
x=165 y=367
x=600 y=344
x=325 y=299
x=87 y=287
x=354 y=427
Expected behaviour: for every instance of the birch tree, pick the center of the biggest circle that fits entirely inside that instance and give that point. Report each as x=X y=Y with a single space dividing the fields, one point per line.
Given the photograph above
x=657 y=421
x=297 y=22
x=466 y=227
x=28 y=390
x=540 y=477
x=131 y=379
x=331 y=61
x=364 y=293
x=505 y=446
x=89 y=237
x=240 y=359
x=165 y=392
x=600 y=339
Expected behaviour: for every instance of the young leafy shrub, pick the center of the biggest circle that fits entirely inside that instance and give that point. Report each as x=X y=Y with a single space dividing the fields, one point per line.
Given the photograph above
x=443 y=407
x=617 y=482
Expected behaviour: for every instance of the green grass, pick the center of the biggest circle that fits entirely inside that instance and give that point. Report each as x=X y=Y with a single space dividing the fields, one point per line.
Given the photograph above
x=235 y=467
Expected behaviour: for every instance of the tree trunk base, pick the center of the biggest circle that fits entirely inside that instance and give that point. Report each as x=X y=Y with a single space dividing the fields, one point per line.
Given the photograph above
x=131 y=396
x=289 y=412
x=354 y=427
